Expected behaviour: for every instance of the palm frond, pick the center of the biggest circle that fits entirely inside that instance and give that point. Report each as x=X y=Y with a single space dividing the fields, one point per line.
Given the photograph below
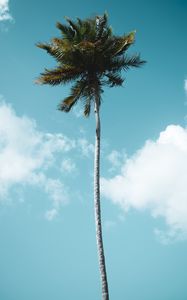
x=76 y=91
x=101 y=25
x=66 y=31
x=67 y=103
x=87 y=107
x=45 y=46
x=116 y=64
x=126 y=42
x=114 y=79
x=121 y=44
x=79 y=22
x=59 y=75
x=88 y=31
x=56 y=52
x=73 y=25
x=132 y=61
x=85 y=46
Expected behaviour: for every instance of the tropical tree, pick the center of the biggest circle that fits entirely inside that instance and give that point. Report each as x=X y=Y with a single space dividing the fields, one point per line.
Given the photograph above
x=90 y=56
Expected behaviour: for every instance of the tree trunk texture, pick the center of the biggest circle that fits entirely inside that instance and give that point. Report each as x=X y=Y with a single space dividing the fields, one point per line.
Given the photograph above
x=99 y=239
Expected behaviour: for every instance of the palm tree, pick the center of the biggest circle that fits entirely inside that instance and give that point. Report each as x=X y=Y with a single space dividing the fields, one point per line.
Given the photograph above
x=91 y=56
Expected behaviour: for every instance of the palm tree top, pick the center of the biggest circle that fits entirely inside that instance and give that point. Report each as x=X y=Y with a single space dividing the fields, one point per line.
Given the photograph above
x=90 y=56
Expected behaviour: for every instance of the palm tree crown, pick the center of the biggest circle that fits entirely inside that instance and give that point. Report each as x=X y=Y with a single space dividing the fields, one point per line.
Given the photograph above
x=89 y=55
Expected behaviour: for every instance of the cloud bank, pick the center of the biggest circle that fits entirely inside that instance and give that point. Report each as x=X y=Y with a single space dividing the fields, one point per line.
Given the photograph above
x=26 y=155
x=155 y=179
x=185 y=85
x=4 y=11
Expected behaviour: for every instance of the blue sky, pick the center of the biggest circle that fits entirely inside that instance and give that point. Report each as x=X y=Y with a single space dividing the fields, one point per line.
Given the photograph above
x=48 y=248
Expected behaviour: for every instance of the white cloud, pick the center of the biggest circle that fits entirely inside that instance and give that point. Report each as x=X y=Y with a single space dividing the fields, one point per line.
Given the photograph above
x=155 y=179
x=108 y=224
x=57 y=191
x=78 y=112
x=85 y=147
x=4 y=11
x=51 y=214
x=68 y=165
x=26 y=154
x=185 y=85
x=116 y=159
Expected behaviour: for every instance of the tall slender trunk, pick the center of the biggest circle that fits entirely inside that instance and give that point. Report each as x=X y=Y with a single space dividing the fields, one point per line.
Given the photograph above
x=100 y=248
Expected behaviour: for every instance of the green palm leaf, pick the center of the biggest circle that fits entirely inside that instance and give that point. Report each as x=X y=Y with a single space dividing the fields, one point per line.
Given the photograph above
x=59 y=75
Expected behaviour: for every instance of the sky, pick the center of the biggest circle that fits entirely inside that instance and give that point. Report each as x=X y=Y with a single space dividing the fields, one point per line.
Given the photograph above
x=48 y=248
